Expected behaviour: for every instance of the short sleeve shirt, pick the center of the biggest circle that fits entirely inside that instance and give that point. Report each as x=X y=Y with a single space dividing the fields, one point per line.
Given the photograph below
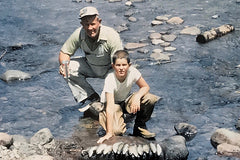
x=98 y=53
x=120 y=90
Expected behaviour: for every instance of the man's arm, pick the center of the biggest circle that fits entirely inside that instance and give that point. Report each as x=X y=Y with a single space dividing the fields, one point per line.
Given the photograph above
x=109 y=118
x=143 y=89
x=61 y=58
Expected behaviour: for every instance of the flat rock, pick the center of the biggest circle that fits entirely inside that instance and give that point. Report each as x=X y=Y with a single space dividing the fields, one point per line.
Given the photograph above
x=155 y=35
x=161 y=18
x=169 y=49
x=191 y=31
x=157 y=41
x=158 y=56
x=165 y=44
x=156 y=22
x=39 y=157
x=175 y=20
x=131 y=46
x=169 y=37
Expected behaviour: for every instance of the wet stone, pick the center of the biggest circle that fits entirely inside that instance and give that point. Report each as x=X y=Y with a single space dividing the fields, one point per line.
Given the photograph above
x=175 y=20
x=191 y=31
x=157 y=41
x=170 y=49
x=169 y=37
x=165 y=44
x=156 y=22
x=130 y=46
x=11 y=75
x=155 y=35
x=5 y=139
x=132 y=19
x=186 y=130
x=161 y=18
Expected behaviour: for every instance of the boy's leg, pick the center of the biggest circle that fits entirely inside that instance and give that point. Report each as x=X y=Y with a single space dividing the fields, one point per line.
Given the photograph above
x=146 y=109
x=119 y=127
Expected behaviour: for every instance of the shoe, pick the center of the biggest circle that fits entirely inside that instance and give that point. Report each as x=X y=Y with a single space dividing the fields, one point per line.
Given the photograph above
x=144 y=133
x=93 y=97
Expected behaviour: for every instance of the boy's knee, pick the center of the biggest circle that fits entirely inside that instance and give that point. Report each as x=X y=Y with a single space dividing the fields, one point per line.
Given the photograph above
x=150 y=99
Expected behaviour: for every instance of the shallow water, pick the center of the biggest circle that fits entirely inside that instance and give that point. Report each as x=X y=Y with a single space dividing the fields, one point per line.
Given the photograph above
x=200 y=86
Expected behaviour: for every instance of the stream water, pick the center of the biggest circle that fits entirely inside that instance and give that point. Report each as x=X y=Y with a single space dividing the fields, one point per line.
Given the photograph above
x=201 y=85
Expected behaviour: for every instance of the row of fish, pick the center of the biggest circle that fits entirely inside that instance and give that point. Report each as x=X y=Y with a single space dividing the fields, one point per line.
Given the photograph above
x=122 y=150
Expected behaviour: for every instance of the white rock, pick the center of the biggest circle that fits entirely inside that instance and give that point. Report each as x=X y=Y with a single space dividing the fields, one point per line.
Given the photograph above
x=191 y=31
x=175 y=20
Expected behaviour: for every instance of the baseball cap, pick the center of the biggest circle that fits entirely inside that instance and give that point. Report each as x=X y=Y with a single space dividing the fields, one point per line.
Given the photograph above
x=88 y=11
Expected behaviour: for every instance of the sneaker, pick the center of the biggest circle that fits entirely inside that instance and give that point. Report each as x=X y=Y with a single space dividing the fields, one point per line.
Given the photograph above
x=144 y=133
x=91 y=98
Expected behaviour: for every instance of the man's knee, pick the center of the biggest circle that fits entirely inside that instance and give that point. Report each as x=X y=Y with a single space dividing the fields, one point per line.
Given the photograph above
x=150 y=99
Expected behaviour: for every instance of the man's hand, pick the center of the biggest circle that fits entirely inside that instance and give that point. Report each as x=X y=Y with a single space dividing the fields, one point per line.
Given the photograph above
x=64 y=69
x=106 y=137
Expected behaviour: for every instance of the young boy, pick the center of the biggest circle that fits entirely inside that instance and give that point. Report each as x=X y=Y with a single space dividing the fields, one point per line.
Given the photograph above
x=116 y=97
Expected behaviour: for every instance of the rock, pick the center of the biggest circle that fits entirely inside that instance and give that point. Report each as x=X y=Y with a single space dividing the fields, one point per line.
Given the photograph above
x=169 y=37
x=160 y=57
x=170 y=49
x=42 y=137
x=161 y=18
x=131 y=46
x=225 y=149
x=121 y=28
x=156 y=22
x=128 y=3
x=191 y=31
x=157 y=41
x=11 y=75
x=238 y=124
x=132 y=19
x=155 y=35
x=6 y=139
x=186 y=130
x=165 y=44
x=157 y=50
x=39 y=157
x=114 y=0
x=225 y=136
x=215 y=16
x=175 y=20
x=175 y=148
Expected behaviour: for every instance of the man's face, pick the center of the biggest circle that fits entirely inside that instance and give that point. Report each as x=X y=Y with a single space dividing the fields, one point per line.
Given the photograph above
x=121 y=67
x=91 y=25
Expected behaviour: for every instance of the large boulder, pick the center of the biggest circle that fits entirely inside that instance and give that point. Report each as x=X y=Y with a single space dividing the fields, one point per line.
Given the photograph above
x=6 y=139
x=174 y=148
x=11 y=75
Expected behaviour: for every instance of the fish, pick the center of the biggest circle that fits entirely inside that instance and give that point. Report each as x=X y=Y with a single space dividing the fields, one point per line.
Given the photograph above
x=92 y=150
x=125 y=149
x=159 y=150
x=133 y=150
x=108 y=149
x=100 y=148
x=120 y=148
x=153 y=147
x=140 y=149
x=146 y=148
x=115 y=146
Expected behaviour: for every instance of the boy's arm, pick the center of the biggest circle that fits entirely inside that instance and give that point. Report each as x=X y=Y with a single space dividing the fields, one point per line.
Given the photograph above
x=109 y=118
x=143 y=89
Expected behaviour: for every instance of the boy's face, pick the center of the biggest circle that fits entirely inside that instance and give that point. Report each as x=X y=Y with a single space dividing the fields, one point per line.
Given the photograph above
x=121 y=67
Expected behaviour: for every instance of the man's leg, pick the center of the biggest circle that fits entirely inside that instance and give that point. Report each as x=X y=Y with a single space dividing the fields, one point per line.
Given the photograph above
x=79 y=70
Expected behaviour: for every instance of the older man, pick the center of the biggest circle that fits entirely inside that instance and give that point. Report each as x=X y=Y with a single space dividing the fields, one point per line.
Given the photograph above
x=99 y=43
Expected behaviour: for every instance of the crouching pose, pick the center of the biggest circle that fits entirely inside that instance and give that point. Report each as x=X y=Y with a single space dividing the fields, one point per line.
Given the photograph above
x=117 y=99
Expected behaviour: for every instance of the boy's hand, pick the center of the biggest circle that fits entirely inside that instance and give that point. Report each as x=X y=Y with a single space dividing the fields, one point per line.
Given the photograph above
x=106 y=137
x=135 y=105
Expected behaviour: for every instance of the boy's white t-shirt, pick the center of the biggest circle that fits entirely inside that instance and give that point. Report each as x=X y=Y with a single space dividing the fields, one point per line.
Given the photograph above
x=120 y=90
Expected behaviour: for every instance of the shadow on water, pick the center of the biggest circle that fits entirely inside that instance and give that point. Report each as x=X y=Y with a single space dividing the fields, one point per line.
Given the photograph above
x=200 y=86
